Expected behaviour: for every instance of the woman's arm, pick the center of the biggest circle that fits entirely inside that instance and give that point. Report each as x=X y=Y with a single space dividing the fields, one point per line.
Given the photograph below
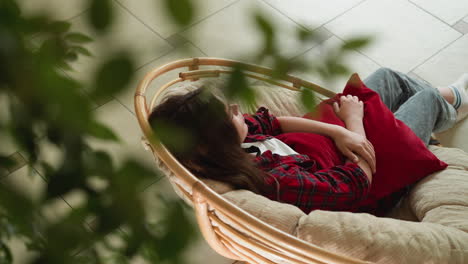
x=299 y=124
x=356 y=125
x=351 y=143
x=351 y=111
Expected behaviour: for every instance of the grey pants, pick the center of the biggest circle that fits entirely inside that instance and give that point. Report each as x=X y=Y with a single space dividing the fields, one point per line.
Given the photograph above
x=416 y=103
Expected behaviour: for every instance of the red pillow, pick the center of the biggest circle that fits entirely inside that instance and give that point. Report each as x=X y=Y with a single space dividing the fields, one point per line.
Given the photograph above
x=402 y=158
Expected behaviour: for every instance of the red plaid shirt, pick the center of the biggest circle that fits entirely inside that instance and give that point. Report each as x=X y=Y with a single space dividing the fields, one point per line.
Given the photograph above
x=339 y=188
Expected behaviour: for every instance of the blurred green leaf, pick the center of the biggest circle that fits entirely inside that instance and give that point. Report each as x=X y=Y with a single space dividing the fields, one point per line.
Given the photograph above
x=238 y=87
x=5 y=254
x=65 y=66
x=268 y=32
x=52 y=51
x=64 y=237
x=113 y=76
x=308 y=99
x=80 y=50
x=356 y=43
x=54 y=103
x=304 y=34
x=9 y=10
x=19 y=209
x=6 y=162
x=139 y=172
x=181 y=11
x=101 y=14
x=64 y=180
x=109 y=218
x=71 y=56
x=22 y=131
x=99 y=130
x=99 y=163
x=59 y=27
x=78 y=37
x=40 y=23
x=282 y=66
x=336 y=68
x=264 y=25
x=173 y=136
x=179 y=232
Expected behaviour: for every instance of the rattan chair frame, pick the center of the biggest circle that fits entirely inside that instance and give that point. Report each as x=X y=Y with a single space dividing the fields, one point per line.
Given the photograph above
x=255 y=241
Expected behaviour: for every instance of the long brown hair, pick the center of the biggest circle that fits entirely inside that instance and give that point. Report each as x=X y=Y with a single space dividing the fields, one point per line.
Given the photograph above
x=216 y=152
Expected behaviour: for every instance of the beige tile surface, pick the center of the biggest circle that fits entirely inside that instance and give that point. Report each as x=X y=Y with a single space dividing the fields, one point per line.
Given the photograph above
x=114 y=239
x=183 y=52
x=154 y=14
x=151 y=198
x=32 y=186
x=29 y=183
x=8 y=146
x=125 y=125
x=446 y=66
x=219 y=36
x=449 y=12
x=19 y=250
x=312 y=13
x=58 y=9
x=401 y=43
x=355 y=61
x=127 y=33
x=49 y=153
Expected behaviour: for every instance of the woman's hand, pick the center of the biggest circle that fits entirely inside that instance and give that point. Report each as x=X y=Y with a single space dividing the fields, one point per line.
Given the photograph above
x=351 y=143
x=349 y=108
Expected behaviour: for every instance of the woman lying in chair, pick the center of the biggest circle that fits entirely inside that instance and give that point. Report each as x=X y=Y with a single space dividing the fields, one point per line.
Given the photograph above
x=361 y=154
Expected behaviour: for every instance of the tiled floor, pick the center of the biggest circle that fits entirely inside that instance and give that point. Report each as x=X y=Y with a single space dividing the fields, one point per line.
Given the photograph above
x=424 y=38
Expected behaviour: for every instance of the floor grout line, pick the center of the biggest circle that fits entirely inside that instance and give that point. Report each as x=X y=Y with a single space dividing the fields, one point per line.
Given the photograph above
x=360 y=52
x=437 y=52
x=341 y=14
x=323 y=27
x=461 y=23
x=139 y=19
x=429 y=13
x=315 y=46
x=288 y=17
x=77 y=15
x=319 y=26
x=182 y=29
x=205 y=18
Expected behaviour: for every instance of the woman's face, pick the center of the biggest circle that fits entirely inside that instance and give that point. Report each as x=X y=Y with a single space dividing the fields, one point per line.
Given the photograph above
x=238 y=121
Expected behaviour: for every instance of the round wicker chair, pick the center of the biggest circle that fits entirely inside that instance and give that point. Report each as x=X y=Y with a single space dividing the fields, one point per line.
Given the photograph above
x=249 y=236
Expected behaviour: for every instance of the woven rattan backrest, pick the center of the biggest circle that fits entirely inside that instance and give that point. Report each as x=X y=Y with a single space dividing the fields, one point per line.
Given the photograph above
x=252 y=240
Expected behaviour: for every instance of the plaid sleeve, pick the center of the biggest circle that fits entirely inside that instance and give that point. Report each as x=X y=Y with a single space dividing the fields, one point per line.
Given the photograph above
x=262 y=122
x=339 y=188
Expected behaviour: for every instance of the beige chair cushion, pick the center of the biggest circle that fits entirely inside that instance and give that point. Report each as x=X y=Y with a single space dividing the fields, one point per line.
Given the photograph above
x=442 y=197
x=384 y=240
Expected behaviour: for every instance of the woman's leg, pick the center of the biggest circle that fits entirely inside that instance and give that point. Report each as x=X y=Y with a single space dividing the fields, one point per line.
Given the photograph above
x=394 y=87
x=426 y=112
x=418 y=104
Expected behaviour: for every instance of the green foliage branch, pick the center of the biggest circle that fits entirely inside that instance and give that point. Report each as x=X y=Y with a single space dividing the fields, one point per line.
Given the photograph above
x=45 y=105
